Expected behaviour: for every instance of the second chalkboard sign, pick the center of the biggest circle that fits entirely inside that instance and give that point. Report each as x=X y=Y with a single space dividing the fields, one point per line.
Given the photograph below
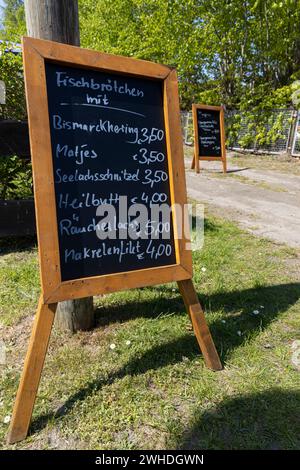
x=209 y=134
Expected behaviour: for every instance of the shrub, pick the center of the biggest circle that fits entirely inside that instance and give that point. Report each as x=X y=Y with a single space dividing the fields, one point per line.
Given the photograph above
x=11 y=73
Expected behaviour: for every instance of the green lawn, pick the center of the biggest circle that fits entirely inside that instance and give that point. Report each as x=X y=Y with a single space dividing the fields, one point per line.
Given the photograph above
x=278 y=163
x=153 y=390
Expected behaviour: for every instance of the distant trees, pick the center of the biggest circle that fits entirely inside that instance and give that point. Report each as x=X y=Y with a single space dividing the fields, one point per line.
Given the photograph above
x=229 y=51
x=13 y=20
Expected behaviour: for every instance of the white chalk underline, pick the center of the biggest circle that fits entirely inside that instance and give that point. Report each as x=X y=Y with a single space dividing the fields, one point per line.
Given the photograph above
x=99 y=106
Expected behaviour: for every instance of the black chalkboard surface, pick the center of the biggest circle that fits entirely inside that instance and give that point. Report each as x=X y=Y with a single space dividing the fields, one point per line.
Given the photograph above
x=209 y=133
x=108 y=141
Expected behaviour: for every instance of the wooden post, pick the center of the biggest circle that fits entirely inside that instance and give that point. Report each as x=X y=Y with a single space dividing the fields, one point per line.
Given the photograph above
x=57 y=20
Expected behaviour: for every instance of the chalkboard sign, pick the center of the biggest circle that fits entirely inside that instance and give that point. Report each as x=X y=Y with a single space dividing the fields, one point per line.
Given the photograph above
x=107 y=146
x=208 y=134
x=104 y=136
x=103 y=128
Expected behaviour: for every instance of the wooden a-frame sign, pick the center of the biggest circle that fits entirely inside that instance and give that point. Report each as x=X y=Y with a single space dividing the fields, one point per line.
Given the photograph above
x=212 y=153
x=58 y=285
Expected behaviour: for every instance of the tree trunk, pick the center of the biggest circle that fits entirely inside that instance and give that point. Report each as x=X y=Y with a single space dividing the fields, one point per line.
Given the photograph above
x=57 y=20
x=75 y=315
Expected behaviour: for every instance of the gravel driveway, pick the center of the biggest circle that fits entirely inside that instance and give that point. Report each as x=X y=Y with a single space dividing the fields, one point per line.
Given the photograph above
x=265 y=202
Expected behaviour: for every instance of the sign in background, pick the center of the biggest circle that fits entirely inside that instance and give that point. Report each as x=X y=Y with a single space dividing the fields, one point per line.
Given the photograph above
x=209 y=133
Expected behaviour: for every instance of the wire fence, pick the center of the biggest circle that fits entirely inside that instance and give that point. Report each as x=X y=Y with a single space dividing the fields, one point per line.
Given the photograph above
x=187 y=127
x=273 y=132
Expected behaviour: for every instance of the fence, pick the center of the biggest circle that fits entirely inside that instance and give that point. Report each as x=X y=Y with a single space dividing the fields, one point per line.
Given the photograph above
x=273 y=132
x=187 y=127
x=14 y=138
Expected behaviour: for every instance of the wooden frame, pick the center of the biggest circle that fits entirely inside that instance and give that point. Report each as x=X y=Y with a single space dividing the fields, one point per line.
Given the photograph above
x=196 y=158
x=53 y=290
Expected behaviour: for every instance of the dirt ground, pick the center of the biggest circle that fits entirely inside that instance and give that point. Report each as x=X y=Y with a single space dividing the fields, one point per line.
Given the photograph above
x=266 y=202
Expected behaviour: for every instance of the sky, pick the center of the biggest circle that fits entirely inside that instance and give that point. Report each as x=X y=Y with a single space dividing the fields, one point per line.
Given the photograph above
x=1 y=15
x=1 y=5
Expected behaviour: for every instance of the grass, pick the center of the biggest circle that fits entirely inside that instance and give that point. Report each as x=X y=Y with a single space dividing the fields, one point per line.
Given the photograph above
x=278 y=163
x=19 y=278
x=155 y=392
x=259 y=184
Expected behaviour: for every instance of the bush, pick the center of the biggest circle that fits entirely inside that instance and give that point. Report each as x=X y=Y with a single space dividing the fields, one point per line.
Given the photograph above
x=260 y=117
x=11 y=73
x=15 y=174
x=15 y=178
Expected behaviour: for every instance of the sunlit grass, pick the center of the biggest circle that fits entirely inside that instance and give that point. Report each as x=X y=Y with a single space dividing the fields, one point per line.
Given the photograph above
x=153 y=390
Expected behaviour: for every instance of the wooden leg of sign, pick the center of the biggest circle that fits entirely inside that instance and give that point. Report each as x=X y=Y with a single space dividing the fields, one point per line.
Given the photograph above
x=197 y=164
x=224 y=165
x=193 y=163
x=200 y=326
x=31 y=374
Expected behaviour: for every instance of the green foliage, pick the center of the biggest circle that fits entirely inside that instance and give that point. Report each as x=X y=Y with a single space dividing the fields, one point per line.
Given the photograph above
x=11 y=72
x=244 y=55
x=15 y=174
x=15 y=178
x=262 y=125
x=260 y=128
x=220 y=49
x=157 y=30
x=13 y=20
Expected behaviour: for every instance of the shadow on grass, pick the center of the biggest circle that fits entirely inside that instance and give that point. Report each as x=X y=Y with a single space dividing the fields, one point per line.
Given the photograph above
x=267 y=420
x=238 y=170
x=167 y=353
x=238 y=305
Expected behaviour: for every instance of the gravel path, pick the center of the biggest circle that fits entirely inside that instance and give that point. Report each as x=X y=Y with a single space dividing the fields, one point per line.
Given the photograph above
x=265 y=202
